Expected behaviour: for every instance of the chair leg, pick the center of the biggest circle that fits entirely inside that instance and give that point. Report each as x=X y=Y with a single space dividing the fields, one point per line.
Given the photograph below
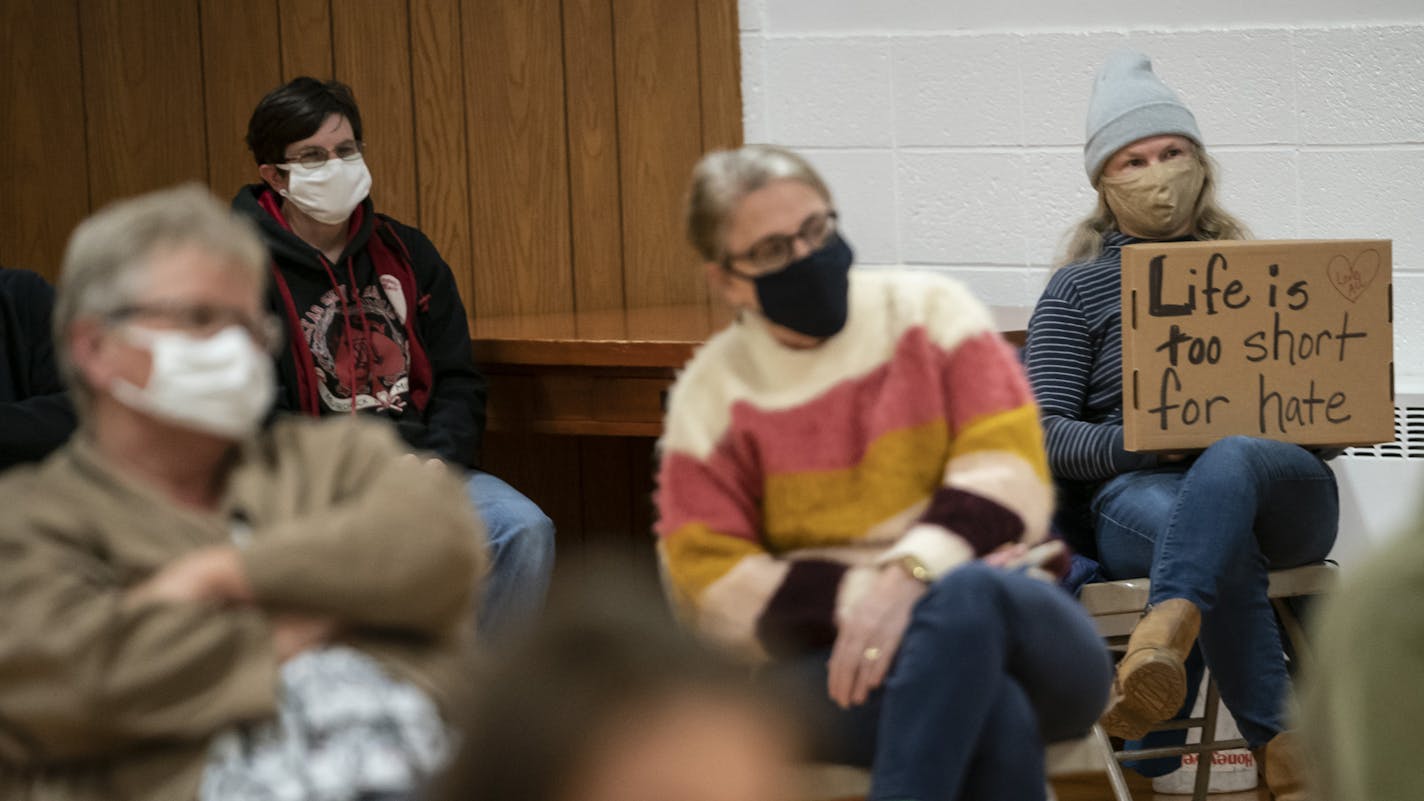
x=1116 y=780
x=1294 y=632
x=1210 y=706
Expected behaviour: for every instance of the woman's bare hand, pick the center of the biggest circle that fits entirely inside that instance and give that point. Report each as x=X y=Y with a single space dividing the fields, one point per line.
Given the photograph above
x=870 y=636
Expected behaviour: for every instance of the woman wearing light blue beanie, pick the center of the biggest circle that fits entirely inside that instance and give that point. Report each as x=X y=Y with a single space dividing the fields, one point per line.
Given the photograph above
x=1207 y=526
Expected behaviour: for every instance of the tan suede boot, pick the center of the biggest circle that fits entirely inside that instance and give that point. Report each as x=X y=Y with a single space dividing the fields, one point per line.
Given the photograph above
x=1282 y=763
x=1151 y=680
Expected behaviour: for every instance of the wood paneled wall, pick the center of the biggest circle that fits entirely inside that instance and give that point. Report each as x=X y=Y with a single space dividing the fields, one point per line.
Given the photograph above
x=542 y=144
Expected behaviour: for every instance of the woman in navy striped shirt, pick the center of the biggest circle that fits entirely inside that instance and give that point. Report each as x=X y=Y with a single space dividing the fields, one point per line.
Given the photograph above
x=1206 y=527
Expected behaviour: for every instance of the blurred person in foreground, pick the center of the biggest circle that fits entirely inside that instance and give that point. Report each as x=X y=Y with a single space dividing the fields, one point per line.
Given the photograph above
x=607 y=700
x=847 y=473
x=192 y=606
x=1362 y=707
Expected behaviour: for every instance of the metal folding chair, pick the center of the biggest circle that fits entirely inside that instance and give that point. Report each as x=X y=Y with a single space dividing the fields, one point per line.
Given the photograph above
x=1116 y=606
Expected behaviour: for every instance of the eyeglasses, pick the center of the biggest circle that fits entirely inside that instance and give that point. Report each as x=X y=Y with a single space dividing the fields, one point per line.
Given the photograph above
x=313 y=157
x=204 y=320
x=773 y=253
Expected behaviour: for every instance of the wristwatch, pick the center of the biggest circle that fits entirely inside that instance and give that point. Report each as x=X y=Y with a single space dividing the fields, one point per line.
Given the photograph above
x=916 y=568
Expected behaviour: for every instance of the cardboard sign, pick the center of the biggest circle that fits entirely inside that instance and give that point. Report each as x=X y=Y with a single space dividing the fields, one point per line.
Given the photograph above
x=1286 y=340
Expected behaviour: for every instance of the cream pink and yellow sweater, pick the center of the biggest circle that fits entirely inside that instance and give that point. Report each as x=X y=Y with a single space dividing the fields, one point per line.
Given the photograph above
x=787 y=476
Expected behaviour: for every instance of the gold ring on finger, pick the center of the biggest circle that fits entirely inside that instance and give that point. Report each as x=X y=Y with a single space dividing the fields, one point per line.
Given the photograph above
x=871 y=654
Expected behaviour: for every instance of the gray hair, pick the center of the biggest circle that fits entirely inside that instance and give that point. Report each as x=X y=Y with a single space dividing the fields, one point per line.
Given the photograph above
x=723 y=177
x=108 y=256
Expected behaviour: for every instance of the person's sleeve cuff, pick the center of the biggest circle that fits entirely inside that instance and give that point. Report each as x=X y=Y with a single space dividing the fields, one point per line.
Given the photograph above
x=937 y=548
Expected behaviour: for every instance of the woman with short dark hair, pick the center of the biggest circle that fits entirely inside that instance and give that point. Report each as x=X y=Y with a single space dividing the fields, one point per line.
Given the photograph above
x=374 y=321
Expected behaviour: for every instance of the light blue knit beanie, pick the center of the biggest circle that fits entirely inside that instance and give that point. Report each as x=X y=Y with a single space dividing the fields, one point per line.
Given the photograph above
x=1129 y=103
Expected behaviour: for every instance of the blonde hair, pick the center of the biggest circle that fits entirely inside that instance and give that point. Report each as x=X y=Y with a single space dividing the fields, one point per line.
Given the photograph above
x=1210 y=220
x=108 y=256
x=723 y=177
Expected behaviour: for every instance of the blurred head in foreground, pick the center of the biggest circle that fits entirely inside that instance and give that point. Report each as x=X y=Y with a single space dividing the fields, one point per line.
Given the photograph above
x=608 y=700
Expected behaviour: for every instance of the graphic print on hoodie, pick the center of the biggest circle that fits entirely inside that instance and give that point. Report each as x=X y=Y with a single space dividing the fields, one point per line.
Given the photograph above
x=359 y=348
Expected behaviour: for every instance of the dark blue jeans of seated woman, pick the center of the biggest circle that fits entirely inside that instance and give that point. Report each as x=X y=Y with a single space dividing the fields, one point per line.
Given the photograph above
x=1209 y=530
x=994 y=665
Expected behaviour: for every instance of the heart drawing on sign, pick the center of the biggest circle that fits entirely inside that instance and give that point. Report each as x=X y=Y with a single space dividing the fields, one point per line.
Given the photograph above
x=1351 y=279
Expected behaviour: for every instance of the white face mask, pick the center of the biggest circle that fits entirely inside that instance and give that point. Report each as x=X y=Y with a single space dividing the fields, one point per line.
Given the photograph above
x=328 y=193
x=221 y=385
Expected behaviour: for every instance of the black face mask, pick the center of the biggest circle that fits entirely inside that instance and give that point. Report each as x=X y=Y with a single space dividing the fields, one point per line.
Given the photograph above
x=810 y=295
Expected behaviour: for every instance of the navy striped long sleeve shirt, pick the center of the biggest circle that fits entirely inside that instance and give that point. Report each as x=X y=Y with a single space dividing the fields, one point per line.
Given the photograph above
x=1073 y=354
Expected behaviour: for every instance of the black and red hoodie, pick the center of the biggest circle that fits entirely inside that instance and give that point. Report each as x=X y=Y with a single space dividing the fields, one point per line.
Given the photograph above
x=379 y=331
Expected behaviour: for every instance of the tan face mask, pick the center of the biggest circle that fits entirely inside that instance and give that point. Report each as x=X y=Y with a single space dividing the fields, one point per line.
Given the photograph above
x=1155 y=202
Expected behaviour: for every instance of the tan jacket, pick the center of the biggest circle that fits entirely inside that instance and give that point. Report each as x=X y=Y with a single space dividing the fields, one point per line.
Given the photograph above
x=102 y=699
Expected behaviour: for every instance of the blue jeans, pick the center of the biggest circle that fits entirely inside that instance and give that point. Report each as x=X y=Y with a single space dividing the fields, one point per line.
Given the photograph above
x=1208 y=530
x=521 y=547
x=993 y=665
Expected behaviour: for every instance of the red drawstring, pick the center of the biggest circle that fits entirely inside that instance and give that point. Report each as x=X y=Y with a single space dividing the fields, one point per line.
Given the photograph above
x=307 y=393
x=365 y=327
x=345 y=323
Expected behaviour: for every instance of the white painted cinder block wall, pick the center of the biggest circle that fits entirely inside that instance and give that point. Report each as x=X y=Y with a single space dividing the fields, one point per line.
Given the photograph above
x=951 y=131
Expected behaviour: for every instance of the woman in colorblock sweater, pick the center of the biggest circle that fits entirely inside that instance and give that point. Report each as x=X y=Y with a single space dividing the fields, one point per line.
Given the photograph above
x=847 y=473
x=1206 y=527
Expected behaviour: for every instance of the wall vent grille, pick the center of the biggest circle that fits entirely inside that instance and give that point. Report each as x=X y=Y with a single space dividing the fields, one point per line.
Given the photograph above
x=1408 y=437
